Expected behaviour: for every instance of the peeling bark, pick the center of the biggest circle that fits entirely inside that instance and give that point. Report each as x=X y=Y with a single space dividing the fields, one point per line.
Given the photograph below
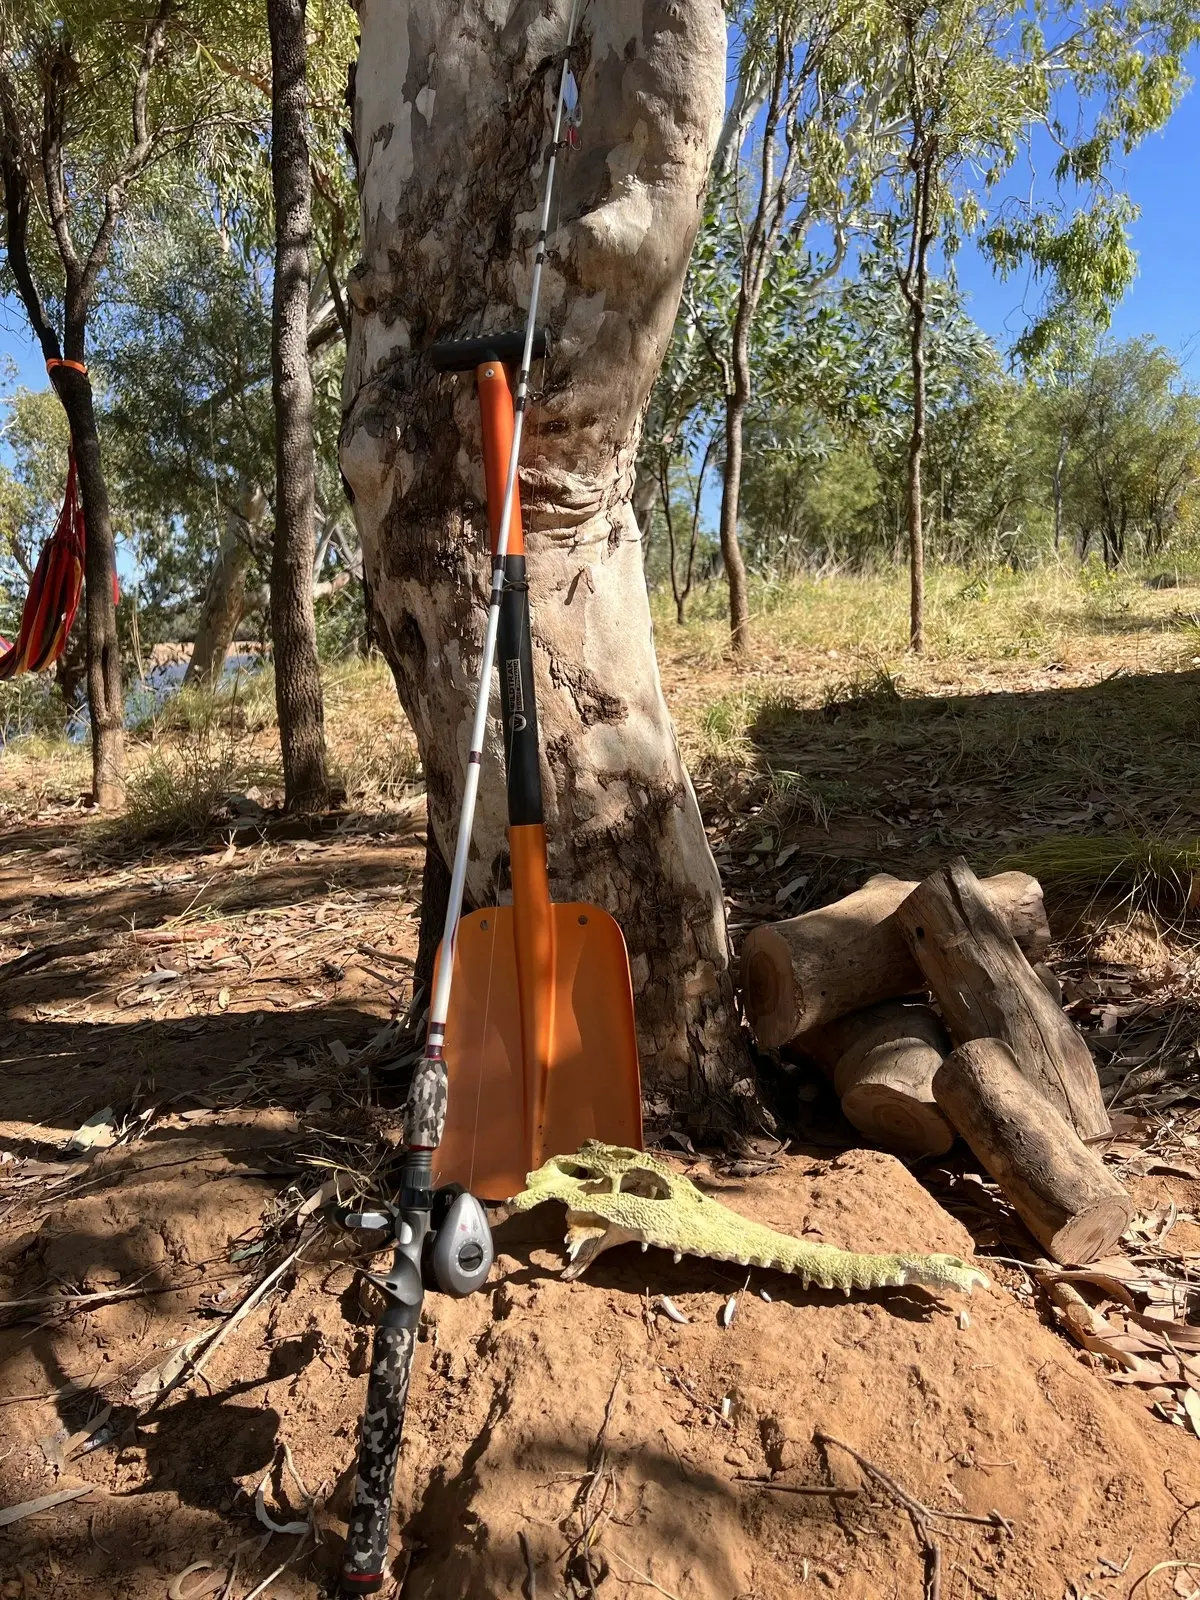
x=451 y=120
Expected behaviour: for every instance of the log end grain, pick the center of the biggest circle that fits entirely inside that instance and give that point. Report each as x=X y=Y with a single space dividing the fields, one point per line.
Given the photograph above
x=891 y=1118
x=769 y=990
x=1092 y=1234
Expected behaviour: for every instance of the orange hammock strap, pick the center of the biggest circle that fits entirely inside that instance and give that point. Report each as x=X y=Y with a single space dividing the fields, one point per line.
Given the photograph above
x=54 y=591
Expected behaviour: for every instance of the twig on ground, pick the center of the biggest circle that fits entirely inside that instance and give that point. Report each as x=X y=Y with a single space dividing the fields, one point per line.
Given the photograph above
x=389 y=956
x=47 y=1502
x=270 y=1579
x=252 y=1300
x=909 y=1502
x=643 y=1578
x=71 y=1390
x=71 y=1303
x=195 y=1366
x=919 y=1514
x=830 y=1490
x=590 y=1517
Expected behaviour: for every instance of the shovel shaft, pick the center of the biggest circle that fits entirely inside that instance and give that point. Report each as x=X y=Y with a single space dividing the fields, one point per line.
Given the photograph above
x=533 y=921
x=517 y=701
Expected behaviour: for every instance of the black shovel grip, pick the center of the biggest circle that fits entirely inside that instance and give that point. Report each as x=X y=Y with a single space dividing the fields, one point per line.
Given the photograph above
x=379 y=1447
x=518 y=704
x=464 y=355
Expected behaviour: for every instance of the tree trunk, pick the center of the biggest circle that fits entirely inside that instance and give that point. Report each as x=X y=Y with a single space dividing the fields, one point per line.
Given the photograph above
x=106 y=696
x=914 y=284
x=1060 y=462
x=916 y=449
x=443 y=95
x=645 y=494
x=225 y=599
x=293 y=624
x=731 y=550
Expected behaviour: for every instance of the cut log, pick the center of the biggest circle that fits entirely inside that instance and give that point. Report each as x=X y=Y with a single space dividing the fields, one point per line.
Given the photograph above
x=987 y=990
x=808 y=971
x=1063 y=1192
x=882 y=1061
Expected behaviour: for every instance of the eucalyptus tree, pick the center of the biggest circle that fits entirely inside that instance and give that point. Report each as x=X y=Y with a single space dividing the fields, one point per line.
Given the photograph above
x=298 y=696
x=801 y=151
x=191 y=439
x=680 y=436
x=972 y=85
x=444 y=95
x=1136 y=461
x=110 y=116
x=102 y=107
x=821 y=477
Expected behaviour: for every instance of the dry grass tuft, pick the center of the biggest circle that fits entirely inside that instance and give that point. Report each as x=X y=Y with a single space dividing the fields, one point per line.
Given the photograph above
x=1154 y=870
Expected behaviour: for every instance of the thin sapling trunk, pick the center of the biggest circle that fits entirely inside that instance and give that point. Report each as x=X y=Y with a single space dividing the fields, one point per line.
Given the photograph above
x=293 y=624
x=914 y=284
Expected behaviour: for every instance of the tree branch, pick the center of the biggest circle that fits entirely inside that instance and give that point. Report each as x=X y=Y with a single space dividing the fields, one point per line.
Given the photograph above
x=16 y=207
x=54 y=71
x=144 y=141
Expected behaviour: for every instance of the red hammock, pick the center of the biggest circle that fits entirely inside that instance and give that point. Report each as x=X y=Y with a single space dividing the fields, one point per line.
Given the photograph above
x=57 y=582
x=54 y=592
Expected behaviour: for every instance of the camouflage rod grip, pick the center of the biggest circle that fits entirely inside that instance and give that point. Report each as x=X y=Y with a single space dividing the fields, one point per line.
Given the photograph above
x=379 y=1446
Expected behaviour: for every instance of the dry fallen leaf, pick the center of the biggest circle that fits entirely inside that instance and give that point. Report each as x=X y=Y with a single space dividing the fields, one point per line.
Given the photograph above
x=223 y=999
x=1191 y=1404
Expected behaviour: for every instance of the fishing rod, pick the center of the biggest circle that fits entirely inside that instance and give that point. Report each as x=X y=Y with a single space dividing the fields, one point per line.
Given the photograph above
x=444 y=1233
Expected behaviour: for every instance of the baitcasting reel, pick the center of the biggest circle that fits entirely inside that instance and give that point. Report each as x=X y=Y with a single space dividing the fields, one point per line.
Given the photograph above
x=456 y=1252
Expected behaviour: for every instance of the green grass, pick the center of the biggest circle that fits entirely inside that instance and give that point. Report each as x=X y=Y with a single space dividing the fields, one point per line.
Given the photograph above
x=177 y=791
x=1056 y=706
x=199 y=746
x=1154 y=870
x=969 y=616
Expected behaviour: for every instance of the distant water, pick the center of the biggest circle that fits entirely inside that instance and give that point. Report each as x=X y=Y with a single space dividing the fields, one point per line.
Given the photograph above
x=142 y=699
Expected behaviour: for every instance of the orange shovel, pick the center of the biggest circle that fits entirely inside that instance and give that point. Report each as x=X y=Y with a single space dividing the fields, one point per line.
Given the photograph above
x=540 y=1045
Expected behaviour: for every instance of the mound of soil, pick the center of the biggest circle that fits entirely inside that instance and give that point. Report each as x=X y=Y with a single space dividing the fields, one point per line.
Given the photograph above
x=543 y=1409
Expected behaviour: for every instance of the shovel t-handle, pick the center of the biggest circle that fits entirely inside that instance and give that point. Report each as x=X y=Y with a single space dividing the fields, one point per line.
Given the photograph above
x=464 y=355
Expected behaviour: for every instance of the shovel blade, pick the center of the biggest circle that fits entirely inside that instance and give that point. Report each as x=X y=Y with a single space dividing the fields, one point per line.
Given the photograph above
x=590 y=1088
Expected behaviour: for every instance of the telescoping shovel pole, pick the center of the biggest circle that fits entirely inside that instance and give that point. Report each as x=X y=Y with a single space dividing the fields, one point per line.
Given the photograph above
x=454 y=1241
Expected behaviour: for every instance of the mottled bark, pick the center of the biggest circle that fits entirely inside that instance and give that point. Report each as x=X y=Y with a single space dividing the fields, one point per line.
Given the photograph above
x=451 y=125
x=293 y=623
x=225 y=599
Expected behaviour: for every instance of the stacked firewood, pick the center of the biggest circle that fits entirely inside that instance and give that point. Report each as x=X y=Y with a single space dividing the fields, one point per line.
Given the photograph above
x=854 y=986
